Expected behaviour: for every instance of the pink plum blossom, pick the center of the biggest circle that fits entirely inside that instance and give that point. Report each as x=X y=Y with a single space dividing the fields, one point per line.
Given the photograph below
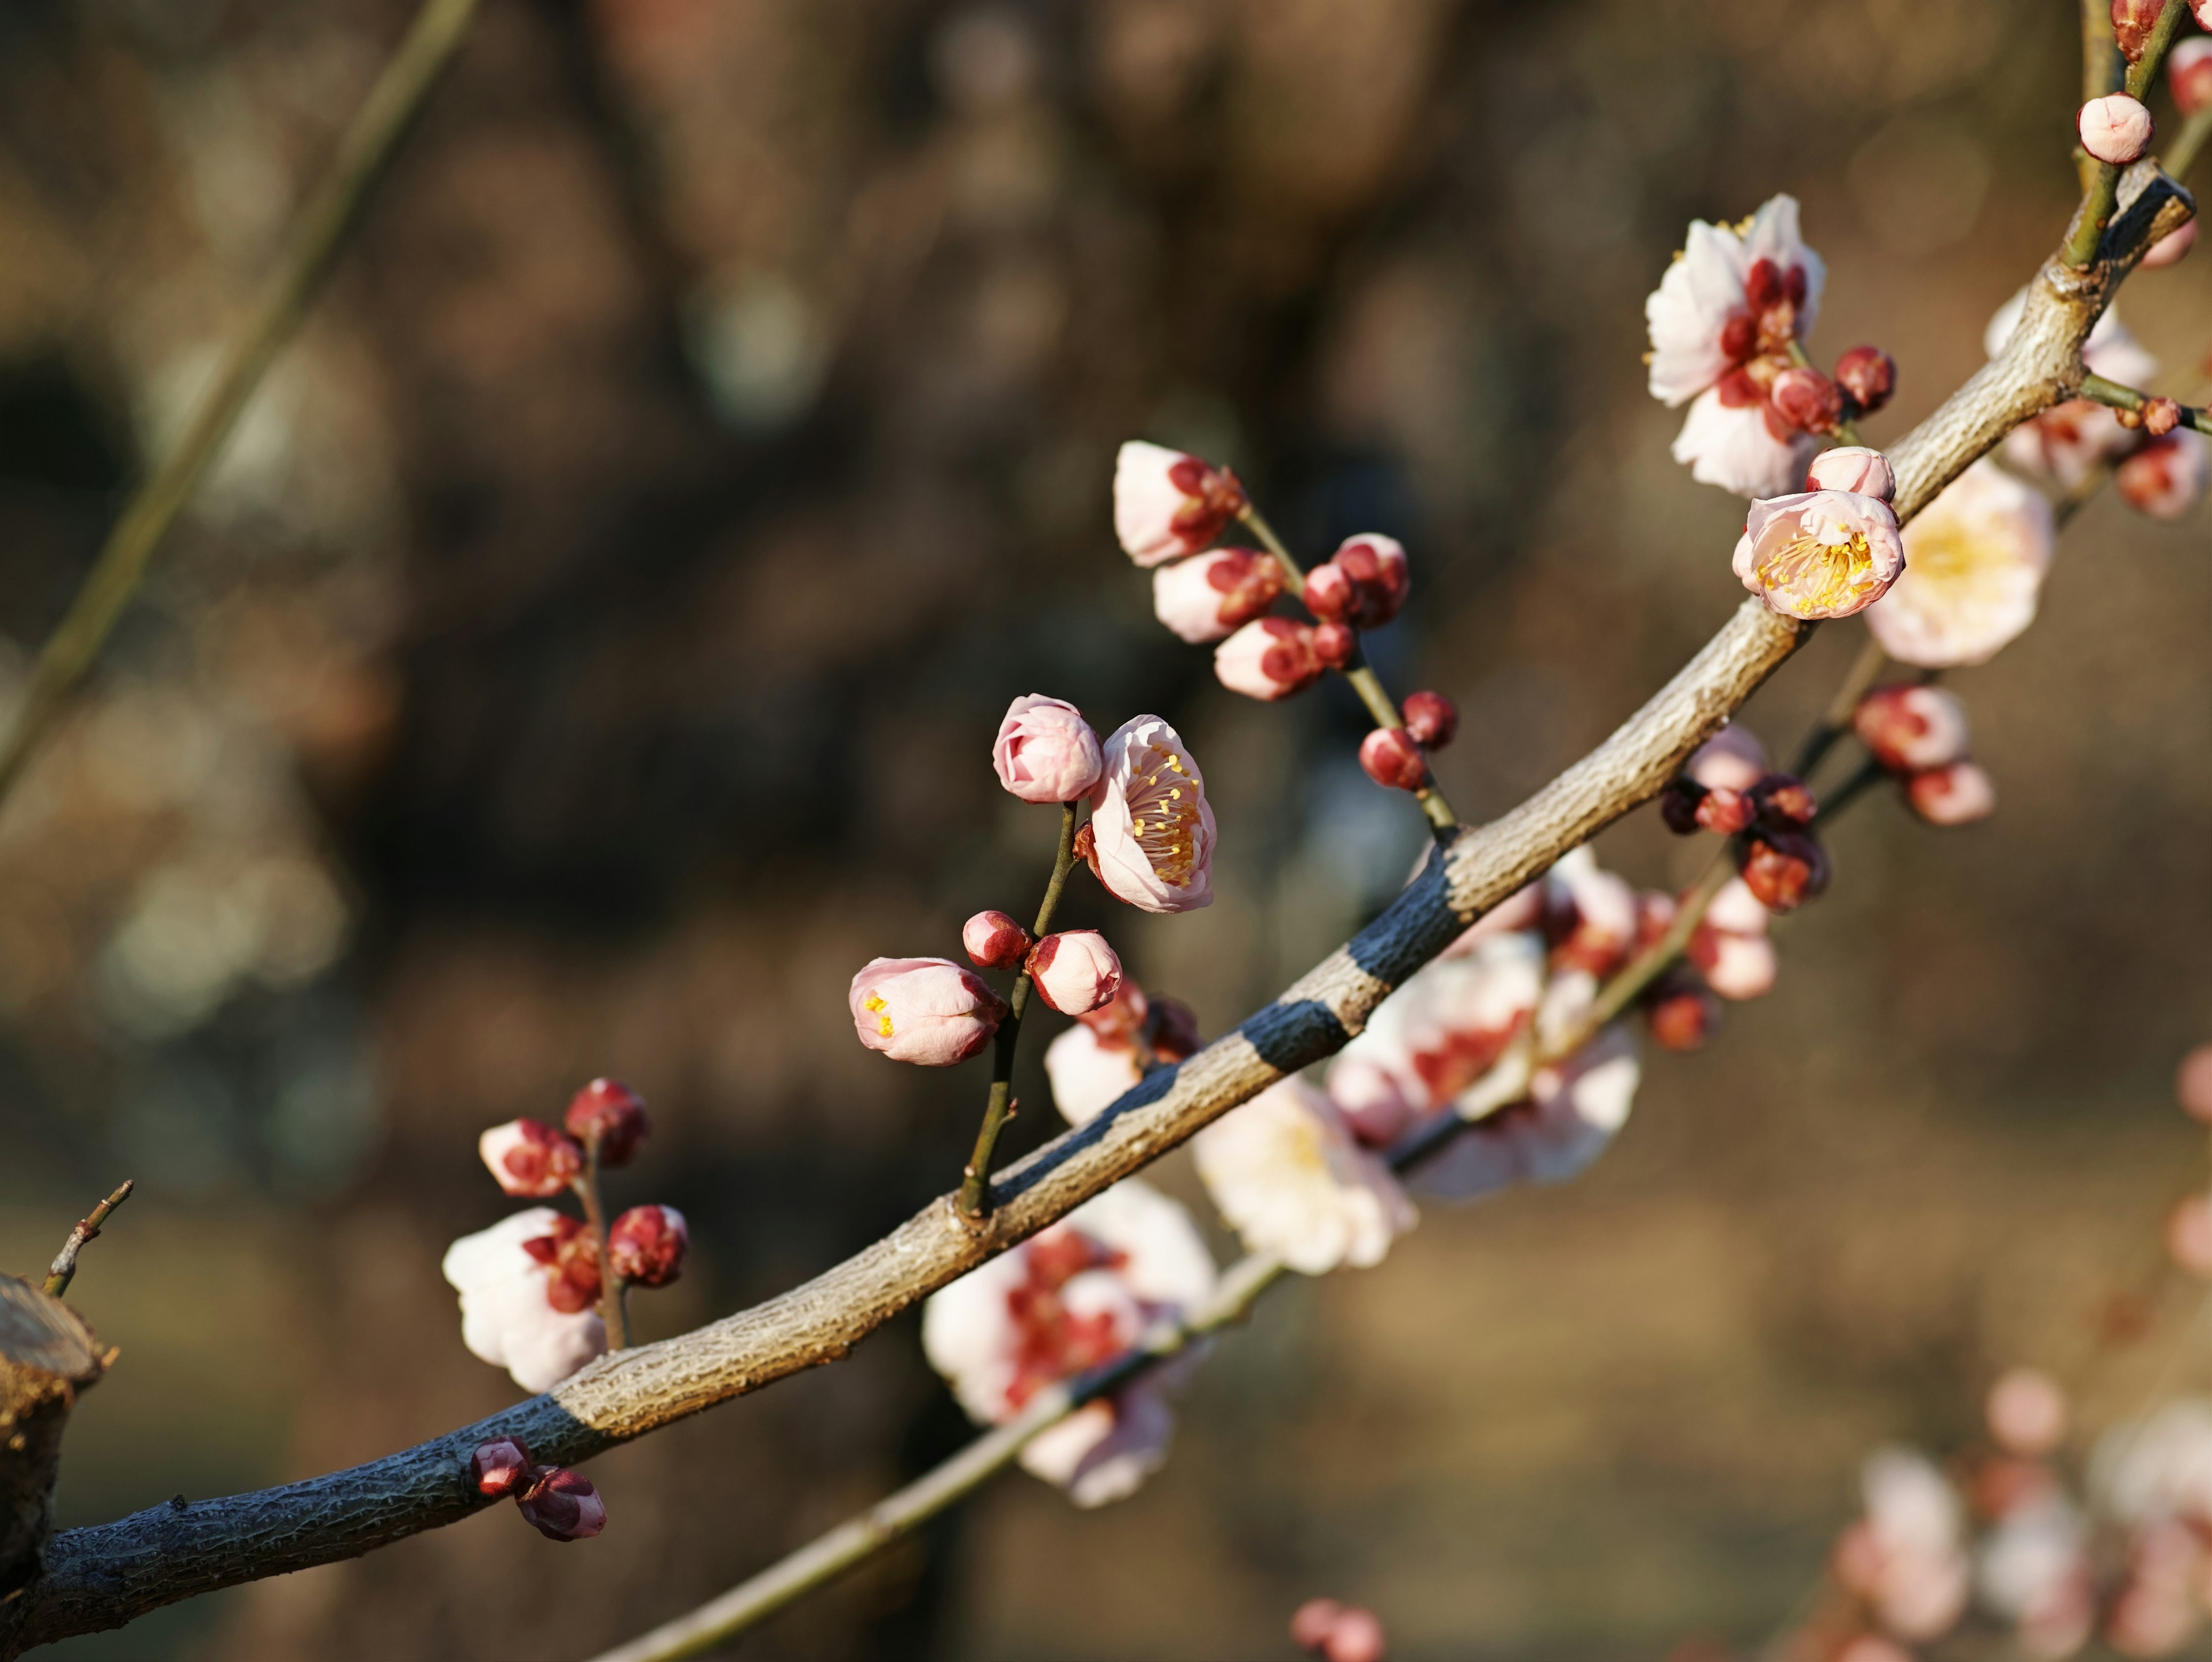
x=530 y=1159
x=1209 y=595
x=1448 y=1026
x=2033 y=1569
x=1168 y=504
x=992 y=940
x=2167 y=477
x=1854 y=468
x=1910 y=728
x=1075 y=971
x=1956 y=795
x=2188 y=72
x=1291 y=1180
x=1590 y=914
x=1974 y=564
x=1045 y=750
x=2068 y=442
x=2115 y=128
x=929 y=1011
x=507 y=1315
x=2171 y=248
x=1820 y=554
x=1730 y=946
x=2153 y=1470
x=1152 y=830
x=1072 y=1297
x=1089 y=1072
x=647 y=1246
x=1269 y=658
x=1569 y=1116
x=1729 y=440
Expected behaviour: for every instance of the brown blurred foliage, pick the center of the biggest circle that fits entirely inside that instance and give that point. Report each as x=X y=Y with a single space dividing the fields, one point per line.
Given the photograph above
x=587 y=654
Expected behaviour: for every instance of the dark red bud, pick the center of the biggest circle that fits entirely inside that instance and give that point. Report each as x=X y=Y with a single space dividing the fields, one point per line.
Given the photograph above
x=1868 y=375
x=561 y=1505
x=1680 y=1011
x=1807 y=400
x=1783 y=801
x=1335 y=644
x=1679 y=804
x=1249 y=582
x=1171 y=1030
x=1783 y=869
x=500 y=1466
x=1432 y=718
x=2133 y=22
x=1392 y=758
x=1725 y=810
x=608 y=1113
x=1328 y=591
x=1762 y=284
x=647 y=1244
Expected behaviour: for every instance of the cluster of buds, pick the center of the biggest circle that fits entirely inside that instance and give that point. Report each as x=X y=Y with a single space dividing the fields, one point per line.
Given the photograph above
x=1360 y=587
x=1919 y=734
x=557 y=1502
x=1727 y=788
x=603 y=1125
x=1398 y=757
x=1338 y=1632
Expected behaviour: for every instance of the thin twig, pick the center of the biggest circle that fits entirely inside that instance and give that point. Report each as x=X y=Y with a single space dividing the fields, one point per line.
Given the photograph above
x=2181 y=156
x=2098 y=390
x=63 y=1268
x=614 y=1307
x=317 y=234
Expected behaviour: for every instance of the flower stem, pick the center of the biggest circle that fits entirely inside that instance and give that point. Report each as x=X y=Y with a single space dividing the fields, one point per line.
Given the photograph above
x=366 y=146
x=614 y=1309
x=998 y=1108
x=1363 y=680
x=2101 y=189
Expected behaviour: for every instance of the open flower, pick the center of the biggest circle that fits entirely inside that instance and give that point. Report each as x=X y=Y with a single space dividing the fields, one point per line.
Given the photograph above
x=1569 y=1116
x=1974 y=562
x=1072 y=1297
x=1820 y=554
x=1151 y=832
x=924 y=1010
x=1290 y=1178
x=2068 y=442
x=1168 y=504
x=1045 y=750
x=2167 y=477
x=510 y=1278
x=1207 y=597
x=1439 y=1034
x=1722 y=322
x=1730 y=947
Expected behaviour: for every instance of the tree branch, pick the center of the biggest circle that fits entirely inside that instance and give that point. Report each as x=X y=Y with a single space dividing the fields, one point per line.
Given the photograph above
x=47 y=1356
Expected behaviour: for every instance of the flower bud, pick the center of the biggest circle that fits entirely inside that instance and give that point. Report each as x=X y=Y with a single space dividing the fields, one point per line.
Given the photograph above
x=2188 y=1235
x=2161 y=416
x=994 y=941
x=1075 y=971
x=1363 y=583
x=1908 y=728
x=1807 y=399
x=1313 y=1623
x=1783 y=801
x=500 y=1466
x=1869 y=376
x=2170 y=249
x=1168 y=504
x=1680 y=1013
x=1335 y=644
x=2133 y=22
x=1171 y=1028
x=928 y=1011
x=1679 y=804
x=1045 y=750
x=1269 y=658
x=529 y=1157
x=562 y=1505
x=1357 y=1637
x=2115 y=129
x=2167 y=477
x=1204 y=597
x=1726 y=812
x=647 y=1244
x=608 y=1114
x=1392 y=758
x=1431 y=719
x=1328 y=591
x=2026 y=1412
x=2192 y=1084
x=2188 y=75
x=1854 y=468
x=1783 y=869
x=2201 y=11
x=1956 y=795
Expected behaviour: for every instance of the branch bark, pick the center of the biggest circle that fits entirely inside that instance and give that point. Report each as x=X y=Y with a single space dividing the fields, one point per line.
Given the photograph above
x=106 y=1575
x=47 y=1355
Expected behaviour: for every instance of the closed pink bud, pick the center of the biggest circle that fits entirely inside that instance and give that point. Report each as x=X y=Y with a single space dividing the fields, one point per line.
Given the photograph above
x=1045 y=750
x=2026 y=1412
x=2133 y=21
x=1363 y=583
x=1784 y=869
x=647 y=1244
x=1908 y=728
x=2116 y=128
x=1168 y=504
x=1392 y=758
x=1270 y=658
x=1335 y=644
x=2160 y=416
x=1075 y=971
x=994 y=940
x=1431 y=719
x=1313 y=1623
x=2167 y=477
x=1328 y=591
x=1869 y=376
x=2188 y=74
x=2170 y=249
x=500 y=1466
x=1807 y=400
x=1204 y=597
x=562 y=1505
x=928 y=1011
x=529 y=1157
x=1956 y=795
x=1854 y=468
x=2192 y=1084
x=607 y=1113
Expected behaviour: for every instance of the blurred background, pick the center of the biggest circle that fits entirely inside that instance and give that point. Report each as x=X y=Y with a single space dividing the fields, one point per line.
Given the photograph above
x=587 y=655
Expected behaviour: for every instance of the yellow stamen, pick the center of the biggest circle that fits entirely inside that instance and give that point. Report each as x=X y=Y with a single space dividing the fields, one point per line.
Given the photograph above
x=884 y=1027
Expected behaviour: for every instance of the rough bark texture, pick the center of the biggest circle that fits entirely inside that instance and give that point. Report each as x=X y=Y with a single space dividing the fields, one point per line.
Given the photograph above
x=47 y=1355
x=105 y=1576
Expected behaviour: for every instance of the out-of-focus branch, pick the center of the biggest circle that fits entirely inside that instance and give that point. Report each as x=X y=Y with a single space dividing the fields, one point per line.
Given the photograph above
x=316 y=236
x=63 y=1268
x=2181 y=154
x=105 y=1576
x=47 y=1355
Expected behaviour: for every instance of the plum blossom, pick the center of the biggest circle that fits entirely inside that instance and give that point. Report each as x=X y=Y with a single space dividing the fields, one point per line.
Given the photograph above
x=1208 y=596
x=1269 y=658
x=2149 y=1471
x=994 y=940
x=1907 y=1556
x=1072 y=1297
x=2167 y=477
x=2033 y=1569
x=1151 y=832
x=1569 y=1116
x=1820 y=554
x=607 y=1116
x=510 y=1282
x=1732 y=759
x=2068 y=442
x=531 y=1160
x=1089 y=1072
x=1722 y=322
x=1730 y=947
x=1045 y=752
x=1974 y=564
x=1290 y=1178
x=1955 y=795
x=925 y=1010
x=1910 y=728
x=1168 y=504
x=1075 y=971
x=2116 y=128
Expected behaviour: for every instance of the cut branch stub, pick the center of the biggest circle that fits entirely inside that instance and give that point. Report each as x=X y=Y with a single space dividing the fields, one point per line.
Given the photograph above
x=47 y=1355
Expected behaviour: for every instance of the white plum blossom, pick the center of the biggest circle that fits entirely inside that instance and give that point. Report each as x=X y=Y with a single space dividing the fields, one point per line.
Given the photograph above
x=1445 y=1028
x=1907 y=1557
x=1088 y=1072
x=1152 y=830
x=1570 y=1115
x=1974 y=564
x=507 y=1315
x=2147 y=1471
x=1291 y=1180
